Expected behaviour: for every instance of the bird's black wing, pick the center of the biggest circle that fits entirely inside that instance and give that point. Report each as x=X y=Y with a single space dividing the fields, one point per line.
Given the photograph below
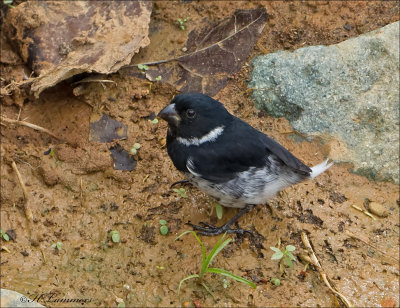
x=239 y=148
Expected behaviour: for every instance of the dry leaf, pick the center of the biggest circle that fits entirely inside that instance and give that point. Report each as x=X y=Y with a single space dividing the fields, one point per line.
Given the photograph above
x=214 y=54
x=59 y=39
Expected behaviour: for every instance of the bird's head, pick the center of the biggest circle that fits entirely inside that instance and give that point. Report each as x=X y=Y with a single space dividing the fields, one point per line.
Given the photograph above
x=194 y=115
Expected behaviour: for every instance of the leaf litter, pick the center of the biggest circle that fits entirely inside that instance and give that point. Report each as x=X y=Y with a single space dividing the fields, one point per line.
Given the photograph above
x=214 y=54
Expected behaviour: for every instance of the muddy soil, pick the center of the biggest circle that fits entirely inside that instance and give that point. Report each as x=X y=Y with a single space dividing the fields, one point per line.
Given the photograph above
x=77 y=197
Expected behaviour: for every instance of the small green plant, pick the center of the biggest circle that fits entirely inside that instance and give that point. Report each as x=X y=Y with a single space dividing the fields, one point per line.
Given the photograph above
x=114 y=234
x=286 y=257
x=219 y=210
x=158 y=78
x=182 y=22
x=57 y=246
x=135 y=148
x=9 y=3
x=276 y=281
x=4 y=235
x=181 y=192
x=163 y=228
x=206 y=261
x=225 y=283
x=143 y=67
x=154 y=121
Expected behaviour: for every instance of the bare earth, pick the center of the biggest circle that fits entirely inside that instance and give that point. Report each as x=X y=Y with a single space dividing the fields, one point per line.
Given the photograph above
x=77 y=197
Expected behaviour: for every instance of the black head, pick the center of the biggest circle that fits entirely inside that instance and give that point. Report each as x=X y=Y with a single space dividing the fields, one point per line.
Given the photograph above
x=194 y=115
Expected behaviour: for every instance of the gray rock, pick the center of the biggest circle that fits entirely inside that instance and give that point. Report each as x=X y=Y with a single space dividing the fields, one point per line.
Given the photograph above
x=13 y=299
x=347 y=93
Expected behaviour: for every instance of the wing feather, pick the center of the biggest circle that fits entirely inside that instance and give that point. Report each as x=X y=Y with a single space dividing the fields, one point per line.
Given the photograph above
x=238 y=149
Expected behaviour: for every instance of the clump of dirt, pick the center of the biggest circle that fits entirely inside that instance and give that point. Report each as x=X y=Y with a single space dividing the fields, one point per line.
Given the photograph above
x=77 y=197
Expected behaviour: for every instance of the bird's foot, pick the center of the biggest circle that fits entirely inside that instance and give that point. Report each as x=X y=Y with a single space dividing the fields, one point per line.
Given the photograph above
x=210 y=230
x=182 y=182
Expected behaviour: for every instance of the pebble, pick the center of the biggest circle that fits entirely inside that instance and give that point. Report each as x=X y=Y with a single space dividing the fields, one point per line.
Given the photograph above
x=378 y=209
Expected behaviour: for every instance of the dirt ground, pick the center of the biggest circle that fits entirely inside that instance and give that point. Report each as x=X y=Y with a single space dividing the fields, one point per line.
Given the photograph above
x=77 y=197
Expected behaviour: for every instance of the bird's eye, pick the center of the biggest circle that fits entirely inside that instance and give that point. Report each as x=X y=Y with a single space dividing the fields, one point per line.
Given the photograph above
x=190 y=113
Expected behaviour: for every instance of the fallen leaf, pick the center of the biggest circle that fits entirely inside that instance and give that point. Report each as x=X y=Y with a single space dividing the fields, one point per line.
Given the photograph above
x=214 y=53
x=107 y=129
x=122 y=159
x=60 y=39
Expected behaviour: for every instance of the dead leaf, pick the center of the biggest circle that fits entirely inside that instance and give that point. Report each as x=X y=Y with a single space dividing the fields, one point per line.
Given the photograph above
x=215 y=53
x=122 y=159
x=59 y=39
x=107 y=129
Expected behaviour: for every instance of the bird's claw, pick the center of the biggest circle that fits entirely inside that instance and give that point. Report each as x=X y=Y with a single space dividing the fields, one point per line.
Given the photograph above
x=210 y=230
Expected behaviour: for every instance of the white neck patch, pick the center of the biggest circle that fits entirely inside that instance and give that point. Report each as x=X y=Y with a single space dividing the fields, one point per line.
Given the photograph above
x=211 y=136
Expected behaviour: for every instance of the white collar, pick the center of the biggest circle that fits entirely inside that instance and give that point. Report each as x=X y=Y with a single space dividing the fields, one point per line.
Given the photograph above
x=211 y=136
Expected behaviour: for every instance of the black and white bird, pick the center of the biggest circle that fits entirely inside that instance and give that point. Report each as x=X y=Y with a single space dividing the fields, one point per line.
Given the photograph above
x=227 y=158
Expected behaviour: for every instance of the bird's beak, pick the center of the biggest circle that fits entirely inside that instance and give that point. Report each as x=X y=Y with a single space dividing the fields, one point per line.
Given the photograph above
x=170 y=115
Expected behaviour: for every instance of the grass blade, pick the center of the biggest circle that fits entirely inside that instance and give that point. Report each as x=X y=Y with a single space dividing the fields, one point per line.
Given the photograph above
x=232 y=276
x=203 y=249
x=216 y=250
x=187 y=278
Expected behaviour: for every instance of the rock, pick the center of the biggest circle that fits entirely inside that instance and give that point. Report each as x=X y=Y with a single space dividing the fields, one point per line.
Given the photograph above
x=347 y=94
x=377 y=209
x=14 y=299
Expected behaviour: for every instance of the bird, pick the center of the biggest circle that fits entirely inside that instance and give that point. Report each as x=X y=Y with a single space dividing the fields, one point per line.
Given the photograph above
x=227 y=158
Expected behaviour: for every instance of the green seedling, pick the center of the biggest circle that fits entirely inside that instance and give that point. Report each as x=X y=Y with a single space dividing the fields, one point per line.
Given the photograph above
x=219 y=210
x=154 y=121
x=115 y=236
x=225 y=283
x=163 y=228
x=276 y=281
x=9 y=3
x=182 y=22
x=158 y=78
x=206 y=261
x=286 y=257
x=57 y=246
x=143 y=67
x=4 y=235
x=181 y=192
x=135 y=148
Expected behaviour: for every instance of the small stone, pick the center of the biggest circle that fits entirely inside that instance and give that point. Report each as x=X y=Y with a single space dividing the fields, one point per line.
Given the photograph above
x=162 y=142
x=378 y=209
x=24 y=253
x=347 y=27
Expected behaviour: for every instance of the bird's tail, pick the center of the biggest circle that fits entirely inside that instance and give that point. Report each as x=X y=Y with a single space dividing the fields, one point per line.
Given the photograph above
x=318 y=169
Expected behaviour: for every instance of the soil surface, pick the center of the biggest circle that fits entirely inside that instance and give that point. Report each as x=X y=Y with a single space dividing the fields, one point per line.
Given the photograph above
x=77 y=198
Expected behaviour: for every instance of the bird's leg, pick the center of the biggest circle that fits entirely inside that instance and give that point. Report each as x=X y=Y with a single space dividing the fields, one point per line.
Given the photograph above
x=180 y=182
x=210 y=230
